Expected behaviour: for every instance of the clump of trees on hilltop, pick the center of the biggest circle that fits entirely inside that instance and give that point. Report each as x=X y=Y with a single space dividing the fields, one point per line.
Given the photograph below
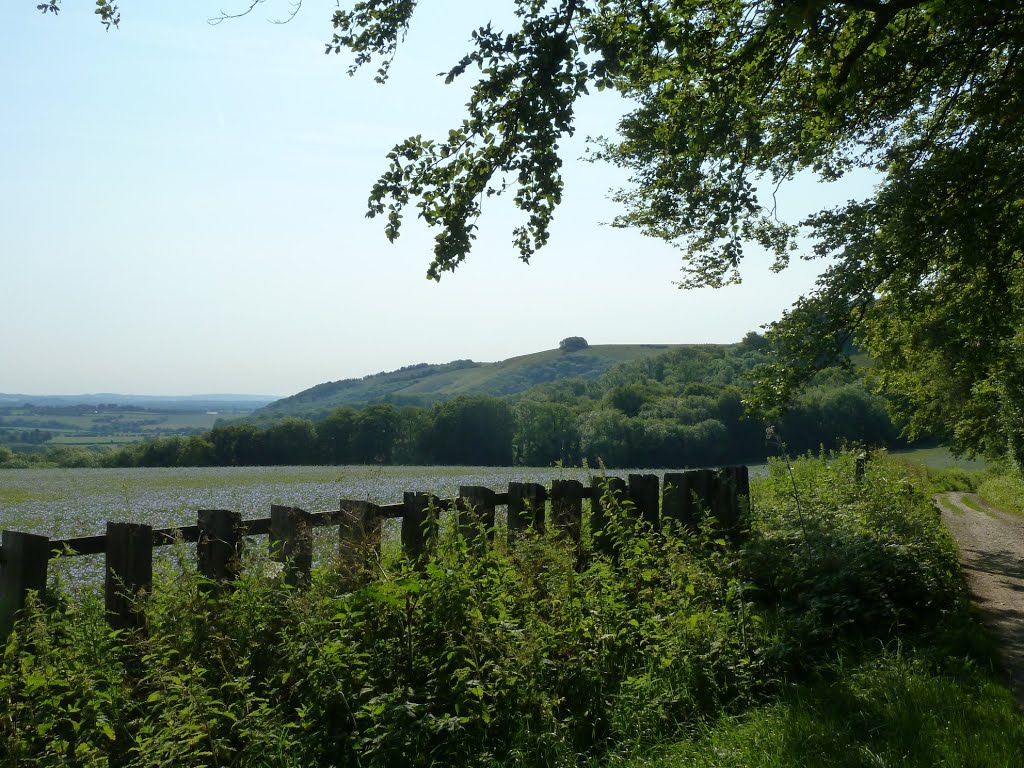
x=573 y=344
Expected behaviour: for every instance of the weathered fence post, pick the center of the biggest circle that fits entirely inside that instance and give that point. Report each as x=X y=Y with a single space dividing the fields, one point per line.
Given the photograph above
x=733 y=501
x=476 y=513
x=677 y=500
x=23 y=561
x=567 y=507
x=614 y=488
x=129 y=572
x=291 y=542
x=220 y=544
x=702 y=484
x=690 y=496
x=358 y=531
x=525 y=507
x=419 y=524
x=645 y=495
x=861 y=466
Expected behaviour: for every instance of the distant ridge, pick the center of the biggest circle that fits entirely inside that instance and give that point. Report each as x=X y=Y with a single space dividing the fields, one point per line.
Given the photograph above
x=425 y=384
x=171 y=402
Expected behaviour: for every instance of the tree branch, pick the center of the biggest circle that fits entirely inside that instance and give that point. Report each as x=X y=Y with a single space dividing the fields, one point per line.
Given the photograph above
x=296 y=6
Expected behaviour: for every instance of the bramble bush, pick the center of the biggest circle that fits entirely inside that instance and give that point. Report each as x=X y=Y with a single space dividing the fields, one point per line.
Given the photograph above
x=534 y=653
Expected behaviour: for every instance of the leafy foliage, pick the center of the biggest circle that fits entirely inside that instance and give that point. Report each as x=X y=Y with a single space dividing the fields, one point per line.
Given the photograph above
x=734 y=98
x=108 y=12
x=511 y=655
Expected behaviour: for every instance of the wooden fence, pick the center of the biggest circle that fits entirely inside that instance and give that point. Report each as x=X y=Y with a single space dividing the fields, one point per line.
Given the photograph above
x=219 y=534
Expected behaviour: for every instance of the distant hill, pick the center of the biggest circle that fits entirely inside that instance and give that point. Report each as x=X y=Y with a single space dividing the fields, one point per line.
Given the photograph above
x=153 y=402
x=38 y=423
x=424 y=384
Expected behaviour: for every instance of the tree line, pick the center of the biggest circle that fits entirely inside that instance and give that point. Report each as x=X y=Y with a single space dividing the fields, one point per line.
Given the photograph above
x=681 y=408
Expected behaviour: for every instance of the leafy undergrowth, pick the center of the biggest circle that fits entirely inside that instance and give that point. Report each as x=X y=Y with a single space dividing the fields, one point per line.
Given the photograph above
x=839 y=624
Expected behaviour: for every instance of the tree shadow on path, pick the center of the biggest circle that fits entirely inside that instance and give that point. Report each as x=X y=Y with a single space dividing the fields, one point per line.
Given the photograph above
x=991 y=547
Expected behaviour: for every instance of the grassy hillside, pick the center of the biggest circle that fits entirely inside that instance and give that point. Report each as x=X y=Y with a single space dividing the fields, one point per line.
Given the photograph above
x=425 y=384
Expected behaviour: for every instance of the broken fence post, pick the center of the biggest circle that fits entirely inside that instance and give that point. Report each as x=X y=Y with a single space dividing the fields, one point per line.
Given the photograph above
x=567 y=507
x=476 y=514
x=644 y=492
x=358 y=532
x=604 y=489
x=419 y=524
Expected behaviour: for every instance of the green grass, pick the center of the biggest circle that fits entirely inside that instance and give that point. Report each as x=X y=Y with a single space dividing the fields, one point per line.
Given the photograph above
x=974 y=504
x=895 y=709
x=83 y=441
x=940 y=471
x=1004 y=491
x=938 y=458
x=11 y=496
x=200 y=421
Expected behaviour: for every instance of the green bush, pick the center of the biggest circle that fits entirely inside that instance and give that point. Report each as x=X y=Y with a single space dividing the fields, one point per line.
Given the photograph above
x=841 y=559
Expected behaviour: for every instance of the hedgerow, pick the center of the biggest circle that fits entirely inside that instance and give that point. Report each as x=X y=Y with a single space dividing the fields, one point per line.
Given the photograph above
x=535 y=653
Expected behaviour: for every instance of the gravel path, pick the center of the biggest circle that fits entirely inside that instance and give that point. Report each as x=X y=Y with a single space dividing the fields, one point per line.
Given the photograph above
x=992 y=551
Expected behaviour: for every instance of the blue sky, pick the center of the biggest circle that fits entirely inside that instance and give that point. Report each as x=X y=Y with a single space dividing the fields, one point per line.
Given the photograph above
x=182 y=211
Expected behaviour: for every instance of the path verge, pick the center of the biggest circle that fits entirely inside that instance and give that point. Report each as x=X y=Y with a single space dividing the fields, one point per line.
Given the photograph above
x=991 y=544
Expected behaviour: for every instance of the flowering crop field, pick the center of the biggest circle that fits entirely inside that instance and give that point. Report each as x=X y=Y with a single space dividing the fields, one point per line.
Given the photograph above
x=78 y=502
x=62 y=503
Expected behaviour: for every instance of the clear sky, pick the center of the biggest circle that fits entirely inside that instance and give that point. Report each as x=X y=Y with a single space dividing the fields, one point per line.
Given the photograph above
x=182 y=211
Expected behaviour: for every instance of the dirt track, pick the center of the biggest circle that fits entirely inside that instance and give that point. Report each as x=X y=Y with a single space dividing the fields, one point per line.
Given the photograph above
x=992 y=551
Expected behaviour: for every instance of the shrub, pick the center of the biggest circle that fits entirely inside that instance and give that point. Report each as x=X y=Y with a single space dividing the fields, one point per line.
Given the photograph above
x=843 y=560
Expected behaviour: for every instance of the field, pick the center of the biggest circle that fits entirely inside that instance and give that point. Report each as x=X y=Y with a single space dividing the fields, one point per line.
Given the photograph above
x=78 y=502
x=61 y=503
x=29 y=427
x=938 y=458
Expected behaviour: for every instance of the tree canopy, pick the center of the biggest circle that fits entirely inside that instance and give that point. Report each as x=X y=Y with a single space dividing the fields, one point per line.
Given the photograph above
x=732 y=99
x=573 y=344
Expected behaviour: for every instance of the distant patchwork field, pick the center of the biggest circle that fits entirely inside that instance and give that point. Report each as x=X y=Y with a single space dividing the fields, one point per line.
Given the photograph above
x=32 y=427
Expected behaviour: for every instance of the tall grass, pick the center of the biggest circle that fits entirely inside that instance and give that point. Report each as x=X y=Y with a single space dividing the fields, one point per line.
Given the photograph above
x=941 y=478
x=894 y=709
x=535 y=654
x=1005 y=491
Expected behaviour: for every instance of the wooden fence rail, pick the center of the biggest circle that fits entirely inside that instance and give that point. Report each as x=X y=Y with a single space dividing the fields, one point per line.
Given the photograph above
x=219 y=534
